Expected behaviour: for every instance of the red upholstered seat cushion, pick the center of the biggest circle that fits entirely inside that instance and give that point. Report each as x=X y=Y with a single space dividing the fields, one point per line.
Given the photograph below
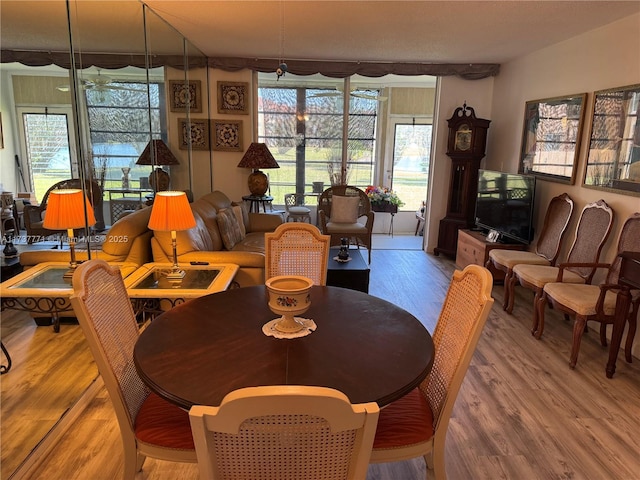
x=164 y=424
x=406 y=421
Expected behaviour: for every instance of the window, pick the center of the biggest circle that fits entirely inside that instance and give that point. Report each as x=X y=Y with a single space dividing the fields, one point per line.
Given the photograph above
x=119 y=129
x=410 y=169
x=303 y=127
x=46 y=136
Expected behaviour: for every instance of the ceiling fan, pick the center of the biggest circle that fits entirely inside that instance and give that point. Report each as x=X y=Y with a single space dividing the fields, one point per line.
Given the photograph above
x=354 y=92
x=99 y=83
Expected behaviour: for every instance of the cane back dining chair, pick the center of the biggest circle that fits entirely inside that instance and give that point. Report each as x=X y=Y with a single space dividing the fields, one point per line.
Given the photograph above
x=546 y=250
x=592 y=231
x=149 y=425
x=339 y=212
x=416 y=424
x=284 y=432
x=297 y=249
x=596 y=302
x=296 y=211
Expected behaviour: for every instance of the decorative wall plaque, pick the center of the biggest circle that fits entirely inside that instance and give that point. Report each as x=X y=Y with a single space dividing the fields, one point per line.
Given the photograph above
x=227 y=135
x=194 y=132
x=185 y=96
x=233 y=97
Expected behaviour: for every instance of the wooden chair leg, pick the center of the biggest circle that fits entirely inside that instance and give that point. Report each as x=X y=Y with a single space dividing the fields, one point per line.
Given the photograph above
x=603 y=334
x=507 y=286
x=513 y=282
x=578 y=331
x=631 y=333
x=539 y=305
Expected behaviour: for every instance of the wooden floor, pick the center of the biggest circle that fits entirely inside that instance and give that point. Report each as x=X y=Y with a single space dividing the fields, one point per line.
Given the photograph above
x=521 y=413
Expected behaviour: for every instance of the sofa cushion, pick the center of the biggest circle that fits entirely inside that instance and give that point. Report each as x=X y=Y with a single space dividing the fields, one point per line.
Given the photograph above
x=344 y=209
x=229 y=228
x=124 y=231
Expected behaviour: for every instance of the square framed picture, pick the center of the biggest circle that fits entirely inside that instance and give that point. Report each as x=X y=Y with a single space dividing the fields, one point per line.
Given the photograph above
x=185 y=96
x=233 y=97
x=193 y=132
x=227 y=135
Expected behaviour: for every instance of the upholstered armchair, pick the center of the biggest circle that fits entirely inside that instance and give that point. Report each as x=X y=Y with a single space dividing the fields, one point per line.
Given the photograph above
x=34 y=214
x=341 y=211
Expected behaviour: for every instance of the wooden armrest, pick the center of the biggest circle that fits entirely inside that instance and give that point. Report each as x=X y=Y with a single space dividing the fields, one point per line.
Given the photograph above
x=562 y=267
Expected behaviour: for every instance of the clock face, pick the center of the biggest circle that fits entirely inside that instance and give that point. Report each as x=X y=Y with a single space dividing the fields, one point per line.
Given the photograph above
x=463 y=138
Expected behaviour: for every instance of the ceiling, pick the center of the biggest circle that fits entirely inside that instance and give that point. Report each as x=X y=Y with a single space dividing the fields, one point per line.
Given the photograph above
x=367 y=31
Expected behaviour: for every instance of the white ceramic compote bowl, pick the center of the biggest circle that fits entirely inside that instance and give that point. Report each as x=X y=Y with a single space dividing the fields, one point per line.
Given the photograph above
x=289 y=296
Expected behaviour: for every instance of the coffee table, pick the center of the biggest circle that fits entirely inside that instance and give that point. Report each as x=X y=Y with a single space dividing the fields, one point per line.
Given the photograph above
x=42 y=290
x=353 y=274
x=151 y=292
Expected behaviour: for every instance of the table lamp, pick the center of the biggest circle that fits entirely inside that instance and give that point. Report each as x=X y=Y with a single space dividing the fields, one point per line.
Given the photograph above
x=256 y=157
x=171 y=212
x=157 y=153
x=69 y=209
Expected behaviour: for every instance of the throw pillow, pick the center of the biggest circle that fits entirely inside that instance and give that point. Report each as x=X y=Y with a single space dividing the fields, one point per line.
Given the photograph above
x=237 y=211
x=344 y=209
x=229 y=228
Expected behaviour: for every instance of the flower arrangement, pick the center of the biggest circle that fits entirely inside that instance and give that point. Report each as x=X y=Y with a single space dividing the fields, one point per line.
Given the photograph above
x=379 y=195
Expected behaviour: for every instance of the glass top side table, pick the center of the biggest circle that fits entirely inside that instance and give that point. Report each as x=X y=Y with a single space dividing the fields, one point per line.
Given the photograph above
x=151 y=292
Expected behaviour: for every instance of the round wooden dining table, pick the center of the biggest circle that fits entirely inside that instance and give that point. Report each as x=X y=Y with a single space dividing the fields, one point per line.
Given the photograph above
x=364 y=346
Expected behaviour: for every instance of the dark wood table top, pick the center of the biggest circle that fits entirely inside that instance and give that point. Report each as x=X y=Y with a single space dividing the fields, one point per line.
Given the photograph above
x=364 y=346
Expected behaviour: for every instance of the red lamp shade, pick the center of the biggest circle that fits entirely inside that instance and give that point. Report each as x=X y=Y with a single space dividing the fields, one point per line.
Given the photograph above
x=171 y=212
x=66 y=210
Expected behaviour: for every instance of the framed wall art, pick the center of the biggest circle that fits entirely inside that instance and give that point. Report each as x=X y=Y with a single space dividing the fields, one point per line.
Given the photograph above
x=233 y=97
x=193 y=132
x=227 y=135
x=551 y=137
x=185 y=96
x=613 y=162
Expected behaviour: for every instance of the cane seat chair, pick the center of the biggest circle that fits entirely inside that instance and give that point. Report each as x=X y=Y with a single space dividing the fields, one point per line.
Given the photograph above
x=149 y=425
x=339 y=215
x=294 y=206
x=416 y=424
x=284 y=432
x=546 y=250
x=297 y=249
x=33 y=215
x=592 y=232
x=596 y=302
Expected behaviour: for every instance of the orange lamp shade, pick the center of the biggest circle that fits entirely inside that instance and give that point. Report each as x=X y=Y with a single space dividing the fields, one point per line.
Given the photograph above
x=171 y=212
x=66 y=210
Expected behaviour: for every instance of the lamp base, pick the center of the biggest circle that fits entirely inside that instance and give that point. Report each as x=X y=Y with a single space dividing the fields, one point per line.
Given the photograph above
x=175 y=276
x=159 y=180
x=258 y=183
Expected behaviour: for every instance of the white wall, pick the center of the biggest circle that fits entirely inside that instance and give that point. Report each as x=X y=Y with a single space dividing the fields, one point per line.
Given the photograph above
x=603 y=58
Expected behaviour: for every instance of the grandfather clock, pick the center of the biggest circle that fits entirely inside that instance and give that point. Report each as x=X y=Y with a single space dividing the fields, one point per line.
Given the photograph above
x=466 y=147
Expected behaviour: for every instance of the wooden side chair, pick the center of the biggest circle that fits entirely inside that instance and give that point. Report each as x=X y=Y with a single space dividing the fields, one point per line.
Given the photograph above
x=592 y=232
x=546 y=250
x=297 y=249
x=294 y=206
x=416 y=425
x=339 y=212
x=284 y=432
x=595 y=302
x=149 y=425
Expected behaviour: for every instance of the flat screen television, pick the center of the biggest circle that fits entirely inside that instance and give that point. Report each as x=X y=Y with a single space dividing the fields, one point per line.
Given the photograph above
x=504 y=206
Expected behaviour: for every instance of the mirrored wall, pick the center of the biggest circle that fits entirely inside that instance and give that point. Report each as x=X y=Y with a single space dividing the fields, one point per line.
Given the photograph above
x=118 y=86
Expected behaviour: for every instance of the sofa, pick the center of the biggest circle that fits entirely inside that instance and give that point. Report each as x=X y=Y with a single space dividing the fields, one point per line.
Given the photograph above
x=225 y=232
x=128 y=243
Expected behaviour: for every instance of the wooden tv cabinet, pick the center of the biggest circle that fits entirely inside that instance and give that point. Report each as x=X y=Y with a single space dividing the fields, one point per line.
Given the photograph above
x=473 y=247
